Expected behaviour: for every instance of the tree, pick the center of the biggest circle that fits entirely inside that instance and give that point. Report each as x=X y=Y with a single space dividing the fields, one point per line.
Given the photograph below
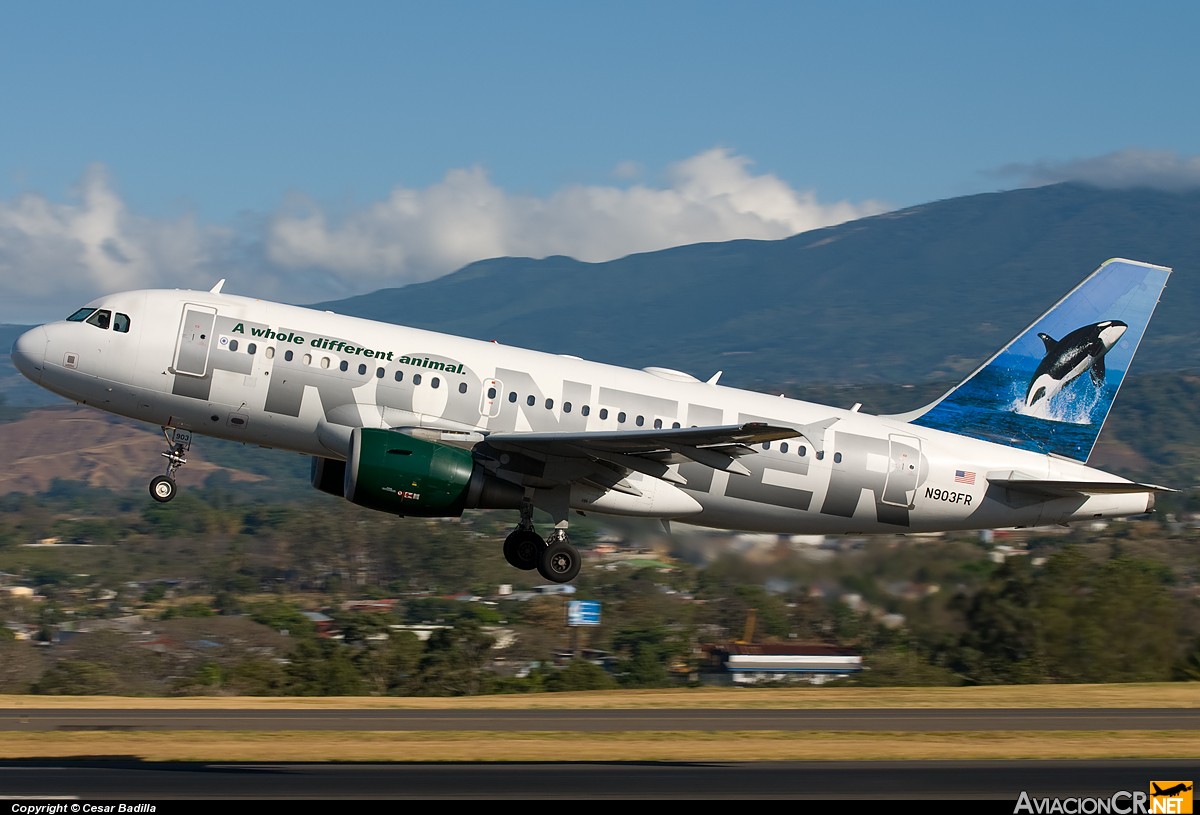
x=1001 y=644
x=455 y=661
x=20 y=665
x=322 y=668
x=1107 y=621
x=646 y=653
x=578 y=675
x=76 y=677
x=390 y=667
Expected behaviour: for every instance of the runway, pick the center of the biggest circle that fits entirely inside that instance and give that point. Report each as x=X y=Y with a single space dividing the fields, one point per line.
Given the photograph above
x=602 y=720
x=1000 y=781
x=127 y=778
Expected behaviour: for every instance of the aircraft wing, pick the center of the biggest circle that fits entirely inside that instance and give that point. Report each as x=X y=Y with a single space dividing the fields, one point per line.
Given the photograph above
x=649 y=451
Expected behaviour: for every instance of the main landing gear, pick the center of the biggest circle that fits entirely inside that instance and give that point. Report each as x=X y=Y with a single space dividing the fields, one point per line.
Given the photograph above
x=554 y=558
x=162 y=487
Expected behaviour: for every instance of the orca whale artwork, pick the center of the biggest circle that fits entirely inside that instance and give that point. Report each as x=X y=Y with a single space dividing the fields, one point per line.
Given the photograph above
x=1033 y=394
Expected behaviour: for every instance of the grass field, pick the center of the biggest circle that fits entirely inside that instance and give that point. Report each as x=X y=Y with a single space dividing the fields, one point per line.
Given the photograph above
x=409 y=746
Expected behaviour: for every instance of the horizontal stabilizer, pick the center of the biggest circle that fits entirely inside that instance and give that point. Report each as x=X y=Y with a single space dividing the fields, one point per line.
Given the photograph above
x=1066 y=489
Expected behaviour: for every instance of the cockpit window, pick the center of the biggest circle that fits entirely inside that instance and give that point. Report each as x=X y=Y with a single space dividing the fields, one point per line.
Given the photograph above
x=101 y=318
x=121 y=323
x=81 y=315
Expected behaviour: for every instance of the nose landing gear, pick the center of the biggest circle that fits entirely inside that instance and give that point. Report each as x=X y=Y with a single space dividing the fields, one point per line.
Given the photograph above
x=162 y=487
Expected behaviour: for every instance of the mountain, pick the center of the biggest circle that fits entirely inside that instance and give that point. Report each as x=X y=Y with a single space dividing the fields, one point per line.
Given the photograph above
x=917 y=295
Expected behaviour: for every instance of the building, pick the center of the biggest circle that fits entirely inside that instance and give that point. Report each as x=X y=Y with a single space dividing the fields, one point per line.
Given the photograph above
x=757 y=663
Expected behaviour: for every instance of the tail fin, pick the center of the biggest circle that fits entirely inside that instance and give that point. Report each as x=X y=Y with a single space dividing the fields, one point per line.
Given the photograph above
x=1034 y=394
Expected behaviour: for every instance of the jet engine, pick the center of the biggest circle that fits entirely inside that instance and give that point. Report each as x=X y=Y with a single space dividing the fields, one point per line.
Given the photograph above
x=393 y=472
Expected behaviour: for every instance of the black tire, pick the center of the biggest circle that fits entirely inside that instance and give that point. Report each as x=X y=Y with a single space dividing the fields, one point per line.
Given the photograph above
x=559 y=563
x=522 y=549
x=162 y=489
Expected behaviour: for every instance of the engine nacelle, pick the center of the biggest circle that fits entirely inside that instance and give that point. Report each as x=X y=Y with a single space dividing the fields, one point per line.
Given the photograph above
x=393 y=472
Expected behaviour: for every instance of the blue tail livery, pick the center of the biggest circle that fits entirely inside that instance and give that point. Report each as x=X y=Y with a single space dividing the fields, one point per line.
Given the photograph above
x=1034 y=394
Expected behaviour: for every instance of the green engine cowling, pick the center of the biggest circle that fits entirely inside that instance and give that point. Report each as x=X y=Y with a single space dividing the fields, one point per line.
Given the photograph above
x=394 y=472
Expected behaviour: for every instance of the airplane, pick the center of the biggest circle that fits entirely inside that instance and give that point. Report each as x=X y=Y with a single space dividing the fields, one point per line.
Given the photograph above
x=1170 y=791
x=425 y=424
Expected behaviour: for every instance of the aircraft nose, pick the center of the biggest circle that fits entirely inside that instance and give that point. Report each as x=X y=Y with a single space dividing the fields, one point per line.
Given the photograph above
x=29 y=353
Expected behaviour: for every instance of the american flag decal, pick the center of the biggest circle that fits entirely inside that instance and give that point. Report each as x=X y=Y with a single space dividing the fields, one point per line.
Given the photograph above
x=964 y=477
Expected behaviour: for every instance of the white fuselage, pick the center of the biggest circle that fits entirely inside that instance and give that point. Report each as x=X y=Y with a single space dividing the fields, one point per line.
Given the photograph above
x=300 y=379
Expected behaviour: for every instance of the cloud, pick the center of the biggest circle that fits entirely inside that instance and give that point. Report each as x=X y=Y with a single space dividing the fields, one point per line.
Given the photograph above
x=1123 y=169
x=415 y=235
x=93 y=244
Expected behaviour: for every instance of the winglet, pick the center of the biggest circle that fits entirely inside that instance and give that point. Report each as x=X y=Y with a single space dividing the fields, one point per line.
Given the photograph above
x=712 y=380
x=1033 y=394
x=217 y=288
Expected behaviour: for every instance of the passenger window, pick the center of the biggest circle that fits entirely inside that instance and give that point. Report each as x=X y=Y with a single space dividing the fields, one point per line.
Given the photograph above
x=566 y=407
x=639 y=421
x=308 y=359
x=270 y=352
x=675 y=425
x=783 y=447
x=837 y=458
x=462 y=387
x=379 y=372
x=345 y=366
x=121 y=323
x=252 y=348
x=531 y=401
x=621 y=417
x=603 y=413
x=324 y=360
x=658 y=424
x=585 y=410
x=416 y=379
x=101 y=318
x=549 y=404
x=287 y=355
x=512 y=397
x=802 y=450
x=362 y=368
x=491 y=392
x=434 y=383
x=399 y=376
x=233 y=345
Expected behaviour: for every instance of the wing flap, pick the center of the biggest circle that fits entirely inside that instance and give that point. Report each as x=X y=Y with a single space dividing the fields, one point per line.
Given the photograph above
x=650 y=451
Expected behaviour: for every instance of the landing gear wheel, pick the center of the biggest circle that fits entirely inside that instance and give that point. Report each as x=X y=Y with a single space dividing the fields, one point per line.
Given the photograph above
x=522 y=548
x=162 y=489
x=559 y=562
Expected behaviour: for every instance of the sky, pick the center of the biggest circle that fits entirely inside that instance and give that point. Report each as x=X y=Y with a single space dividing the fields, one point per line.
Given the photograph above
x=309 y=151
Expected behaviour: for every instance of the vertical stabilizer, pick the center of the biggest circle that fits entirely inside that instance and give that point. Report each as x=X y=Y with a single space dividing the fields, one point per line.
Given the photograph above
x=1050 y=389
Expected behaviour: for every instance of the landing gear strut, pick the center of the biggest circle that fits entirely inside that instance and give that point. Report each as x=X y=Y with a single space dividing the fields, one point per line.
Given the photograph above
x=523 y=546
x=162 y=487
x=554 y=558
